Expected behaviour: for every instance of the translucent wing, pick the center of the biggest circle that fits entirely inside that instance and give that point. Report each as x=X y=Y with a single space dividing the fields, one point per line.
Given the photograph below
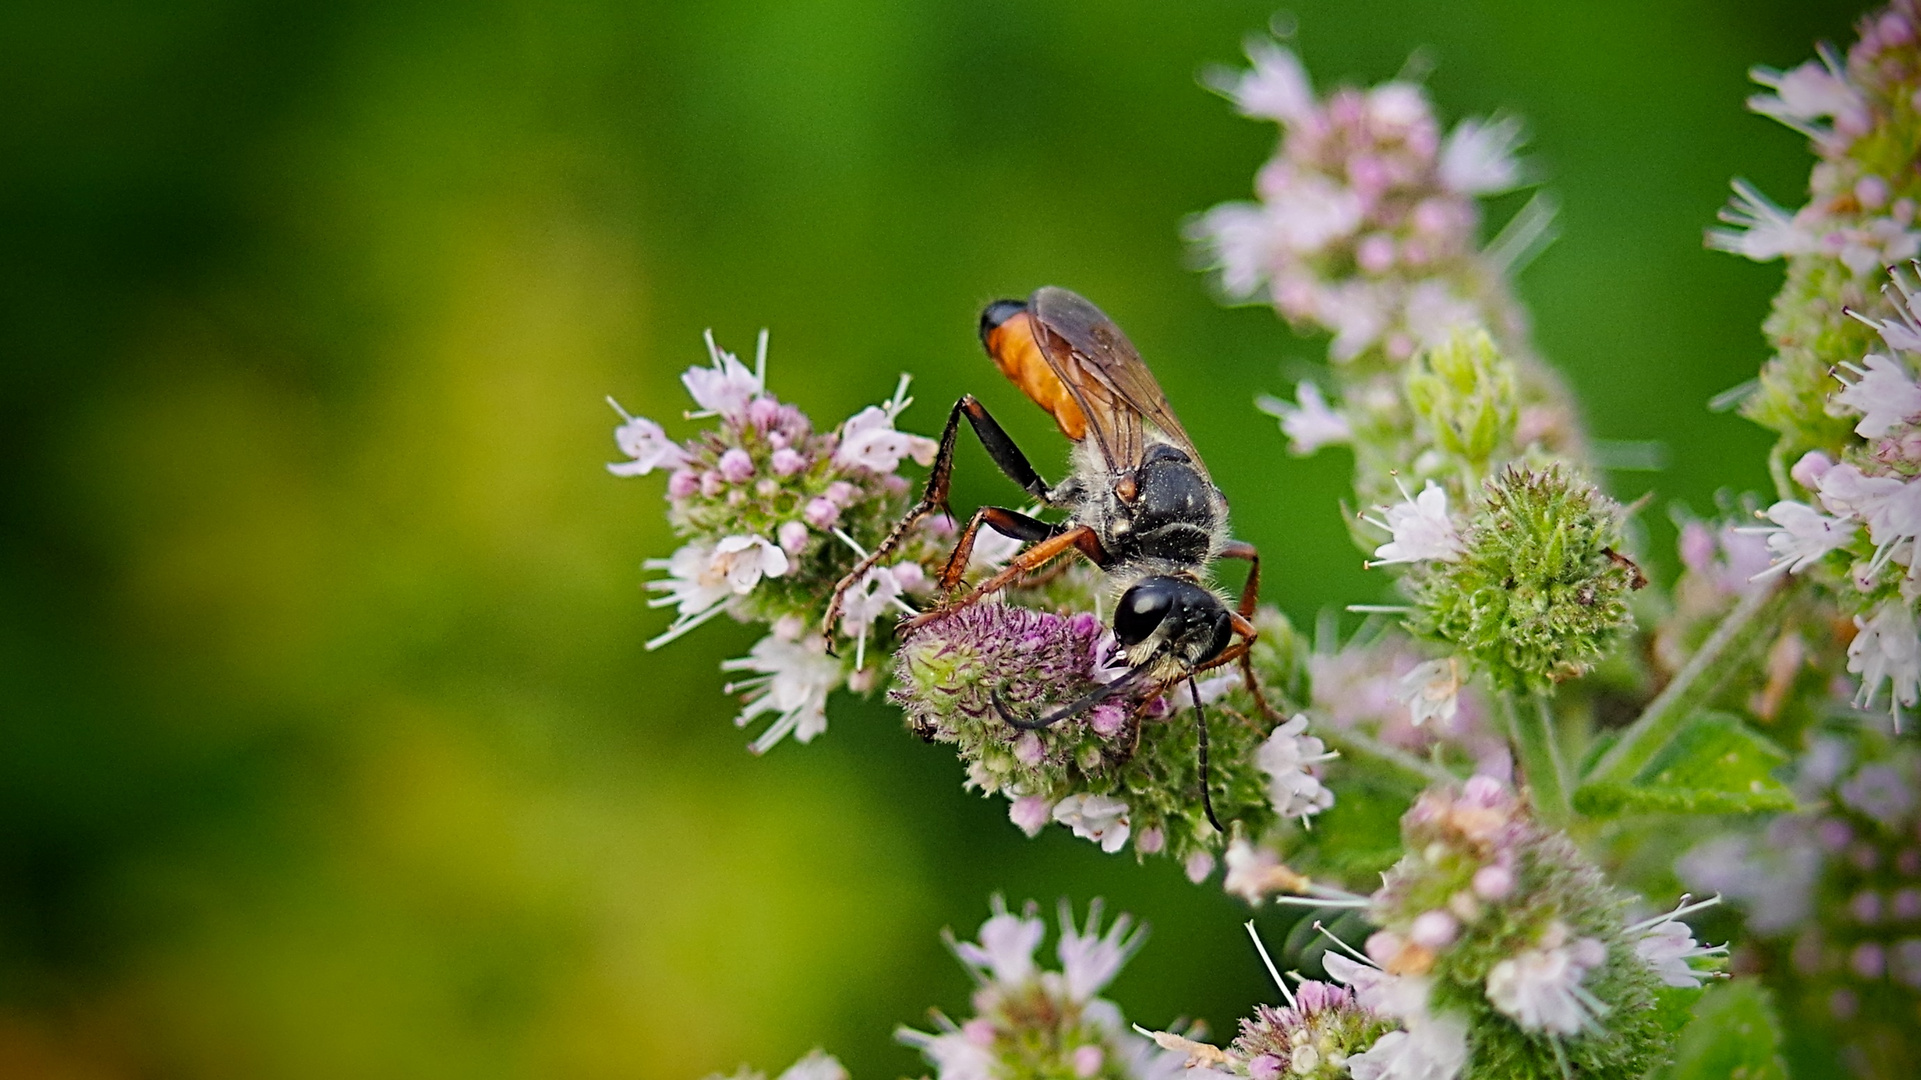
x=1106 y=376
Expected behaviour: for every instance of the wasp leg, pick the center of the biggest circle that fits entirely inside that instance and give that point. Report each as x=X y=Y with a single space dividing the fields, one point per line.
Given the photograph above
x=934 y=496
x=1079 y=538
x=1007 y=523
x=1243 y=624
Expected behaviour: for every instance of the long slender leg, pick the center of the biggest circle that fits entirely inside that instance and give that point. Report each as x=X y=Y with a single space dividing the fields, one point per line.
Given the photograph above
x=1250 y=600
x=934 y=496
x=1079 y=538
x=1006 y=522
x=1200 y=714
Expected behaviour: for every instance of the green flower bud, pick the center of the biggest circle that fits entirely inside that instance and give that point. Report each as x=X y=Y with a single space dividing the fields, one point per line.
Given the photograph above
x=1538 y=594
x=1464 y=390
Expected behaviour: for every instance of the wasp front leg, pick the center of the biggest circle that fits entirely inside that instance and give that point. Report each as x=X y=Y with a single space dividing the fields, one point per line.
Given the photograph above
x=1244 y=625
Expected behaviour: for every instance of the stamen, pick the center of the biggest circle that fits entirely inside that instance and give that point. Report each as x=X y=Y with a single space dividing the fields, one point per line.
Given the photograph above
x=1272 y=972
x=1349 y=949
x=623 y=412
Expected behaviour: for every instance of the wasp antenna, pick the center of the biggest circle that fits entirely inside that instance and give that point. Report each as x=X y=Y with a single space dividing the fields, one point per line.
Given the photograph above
x=1207 y=800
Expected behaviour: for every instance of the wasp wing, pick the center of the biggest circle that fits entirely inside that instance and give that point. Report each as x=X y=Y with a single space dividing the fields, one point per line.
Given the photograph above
x=1106 y=375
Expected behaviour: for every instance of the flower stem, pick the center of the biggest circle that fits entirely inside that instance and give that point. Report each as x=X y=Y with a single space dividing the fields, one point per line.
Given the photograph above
x=1538 y=749
x=1697 y=681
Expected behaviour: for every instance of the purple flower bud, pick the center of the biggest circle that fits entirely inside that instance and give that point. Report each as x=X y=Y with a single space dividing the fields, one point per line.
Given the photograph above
x=1868 y=961
x=1031 y=813
x=1872 y=192
x=979 y=1031
x=895 y=483
x=1383 y=946
x=788 y=461
x=1107 y=719
x=821 y=513
x=1375 y=253
x=1866 y=907
x=1484 y=792
x=711 y=484
x=1906 y=904
x=909 y=576
x=1434 y=929
x=1493 y=882
x=1833 y=834
x=1697 y=547
x=736 y=466
x=842 y=492
x=763 y=412
x=1088 y=1061
x=1265 y=1067
x=1199 y=865
x=1028 y=749
x=682 y=483
x=792 y=536
x=1150 y=841
x=766 y=487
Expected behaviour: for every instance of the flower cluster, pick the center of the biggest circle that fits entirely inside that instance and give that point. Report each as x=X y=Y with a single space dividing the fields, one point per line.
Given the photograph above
x=1833 y=895
x=1322 y=1033
x=1500 y=945
x=816 y=1065
x=773 y=513
x=1031 y=1022
x=1366 y=224
x=1533 y=589
x=1127 y=766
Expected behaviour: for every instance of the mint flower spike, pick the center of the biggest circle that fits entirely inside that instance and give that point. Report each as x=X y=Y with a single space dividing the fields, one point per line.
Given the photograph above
x=1032 y=1021
x=1538 y=593
x=768 y=510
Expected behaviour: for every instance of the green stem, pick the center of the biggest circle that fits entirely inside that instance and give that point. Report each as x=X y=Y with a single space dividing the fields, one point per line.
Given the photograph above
x=1537 y=747
x=1359 y=745
x=1696 y=682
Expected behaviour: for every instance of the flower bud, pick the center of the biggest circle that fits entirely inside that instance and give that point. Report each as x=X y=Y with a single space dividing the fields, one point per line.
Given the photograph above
x=1464 y=390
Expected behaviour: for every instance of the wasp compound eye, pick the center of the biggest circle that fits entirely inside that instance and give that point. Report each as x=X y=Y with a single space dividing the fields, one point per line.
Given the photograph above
x=1142 y=609
x=997 y=313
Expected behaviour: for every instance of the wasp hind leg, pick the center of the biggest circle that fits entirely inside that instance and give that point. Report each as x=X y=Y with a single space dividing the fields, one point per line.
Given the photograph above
x=1244 y=625
x=1079 y=538
x=1008 y=523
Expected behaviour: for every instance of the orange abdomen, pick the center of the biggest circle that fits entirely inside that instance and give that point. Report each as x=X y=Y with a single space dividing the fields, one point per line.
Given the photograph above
x=1019 y=357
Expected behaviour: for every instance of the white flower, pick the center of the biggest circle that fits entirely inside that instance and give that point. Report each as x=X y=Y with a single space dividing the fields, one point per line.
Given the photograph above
x=1357 y=312
x=1903 y=332
x=1100 y=818
x=1308 y=212
x=725 y=389
x=953 y=1054
x=792 y=681
x=1006 y=948
x=1478 y=157
x=1667 y=946
x=1421 y=528
x=1090 y=959
x=1847 y=492
x=1309 y=425
x=864 y=602
x=868 y=441
x=743 y=560
x=1812 y=91
x=1432 y=691
x=1277 y=89
x=1800 y=536
x=1287 y=757
x=1432 y=1048
x=1240 y=238
x=692 y=586
x=1883 y=392
x=644 y=441
x=817 y=1065
x=1541 y=988
x=1403 y=997
x=1254 y=874
x=1885 y=649
x=1762 y=230
x=1434 y=314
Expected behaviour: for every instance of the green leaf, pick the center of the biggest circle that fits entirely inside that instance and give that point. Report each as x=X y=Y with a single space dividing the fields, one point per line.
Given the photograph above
x=1716 y=764
x=1733 y=1036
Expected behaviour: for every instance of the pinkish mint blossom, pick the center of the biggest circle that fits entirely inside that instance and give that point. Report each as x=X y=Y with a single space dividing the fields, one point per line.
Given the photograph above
x=1432 y=691
x=1801 y=536
x=1541 y=987
x=1431 y=1048
x=1762 y=230
x=1478 y=157
x=1005 y=951
x=727 y=388
x=1289 y=757
x=1886 y=650
x=1100 y=818
x=1090 y=958
x=1666 y=944
x=646 y=443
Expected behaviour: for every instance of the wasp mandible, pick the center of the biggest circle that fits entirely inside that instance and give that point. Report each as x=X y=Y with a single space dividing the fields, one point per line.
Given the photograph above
x=1139 y=504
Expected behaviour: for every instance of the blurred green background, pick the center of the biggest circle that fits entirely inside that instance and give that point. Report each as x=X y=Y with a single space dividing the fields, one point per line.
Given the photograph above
x=328 y=746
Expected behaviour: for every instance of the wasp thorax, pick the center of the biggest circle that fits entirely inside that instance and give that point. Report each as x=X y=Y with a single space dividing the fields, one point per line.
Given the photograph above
x=1191 y=622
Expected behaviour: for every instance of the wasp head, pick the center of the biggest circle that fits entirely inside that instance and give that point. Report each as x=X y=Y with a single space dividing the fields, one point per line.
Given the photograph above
x=1173 y=618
